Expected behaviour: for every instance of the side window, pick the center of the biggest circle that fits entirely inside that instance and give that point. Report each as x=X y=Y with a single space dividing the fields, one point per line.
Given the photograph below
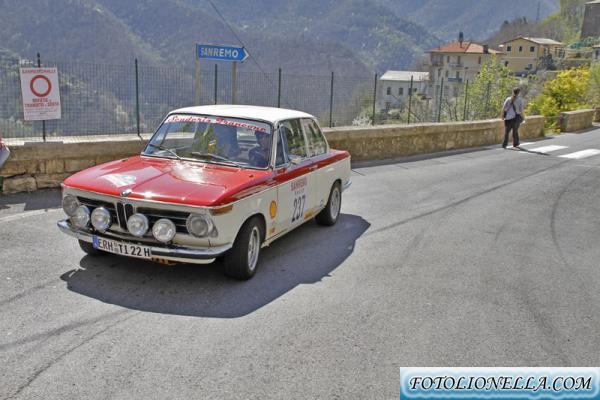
x=316 y=141
x=280 y=154
x=295 y=143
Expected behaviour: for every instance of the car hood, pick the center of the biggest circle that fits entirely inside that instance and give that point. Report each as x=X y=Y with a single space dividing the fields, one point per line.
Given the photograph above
x=172 y=181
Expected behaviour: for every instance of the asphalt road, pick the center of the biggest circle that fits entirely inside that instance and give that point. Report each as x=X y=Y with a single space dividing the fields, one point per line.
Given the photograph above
x=481 y=258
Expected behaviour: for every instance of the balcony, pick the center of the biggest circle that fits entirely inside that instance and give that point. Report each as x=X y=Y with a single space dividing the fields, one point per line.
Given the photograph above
x=456 y=65
x=455 y=80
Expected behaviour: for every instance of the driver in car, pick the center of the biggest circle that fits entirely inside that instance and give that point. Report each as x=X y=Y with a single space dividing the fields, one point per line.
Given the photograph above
x=260 y=154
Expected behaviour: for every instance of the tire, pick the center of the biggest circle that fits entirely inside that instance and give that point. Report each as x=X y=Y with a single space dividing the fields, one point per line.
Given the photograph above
x=89 y=249
x=330 y=214
x=241 y=261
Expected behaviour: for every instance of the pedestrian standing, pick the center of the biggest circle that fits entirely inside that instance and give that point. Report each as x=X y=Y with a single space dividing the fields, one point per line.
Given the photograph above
x=512 y=115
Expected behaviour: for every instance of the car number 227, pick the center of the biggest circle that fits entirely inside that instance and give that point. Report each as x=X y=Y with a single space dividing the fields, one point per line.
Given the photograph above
x=299 y=203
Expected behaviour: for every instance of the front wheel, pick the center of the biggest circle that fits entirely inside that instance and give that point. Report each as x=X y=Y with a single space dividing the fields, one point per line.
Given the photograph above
x=330 y=214
x=242 y=260
x=89 y=249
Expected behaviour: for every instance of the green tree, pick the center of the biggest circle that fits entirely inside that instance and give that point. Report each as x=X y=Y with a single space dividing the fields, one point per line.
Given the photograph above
x=486 y=94
x=594 y=85
x=567 y=92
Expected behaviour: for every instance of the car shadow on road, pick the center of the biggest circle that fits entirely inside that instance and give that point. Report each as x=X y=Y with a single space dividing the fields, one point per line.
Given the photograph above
x=305 y=256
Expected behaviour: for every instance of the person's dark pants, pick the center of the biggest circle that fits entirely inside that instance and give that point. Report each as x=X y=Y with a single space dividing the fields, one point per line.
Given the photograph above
x=511 y=125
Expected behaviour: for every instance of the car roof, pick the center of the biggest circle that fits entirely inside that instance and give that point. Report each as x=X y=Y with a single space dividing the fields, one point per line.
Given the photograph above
x=270 y=114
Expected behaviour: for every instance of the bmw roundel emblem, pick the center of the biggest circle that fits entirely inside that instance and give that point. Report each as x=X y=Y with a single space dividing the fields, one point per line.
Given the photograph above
x=126 y=192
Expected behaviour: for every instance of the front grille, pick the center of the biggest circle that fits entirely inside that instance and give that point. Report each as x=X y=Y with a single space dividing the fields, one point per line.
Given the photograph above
x=120 y=213
x=93 y=203
x=179 y=218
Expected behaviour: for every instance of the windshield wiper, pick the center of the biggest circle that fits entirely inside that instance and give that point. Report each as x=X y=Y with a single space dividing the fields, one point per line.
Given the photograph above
x=161 y=147
x=216 y=157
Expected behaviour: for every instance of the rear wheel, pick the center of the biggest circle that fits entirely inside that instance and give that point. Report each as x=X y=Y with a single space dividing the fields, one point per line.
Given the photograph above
x=89 y=249
x=242 y=260
x=330 y=214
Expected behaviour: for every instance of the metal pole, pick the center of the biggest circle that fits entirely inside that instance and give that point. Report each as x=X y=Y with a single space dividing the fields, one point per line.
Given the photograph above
x=331 y=103
x=466 y=99
x=279 y=90
x=410 y=93
x=374 y=99
x=216 y=83
x=137 y=98
x=39 y=64
x=439 y=114
x=487 y=99
x=197 y=83
x=234 y=82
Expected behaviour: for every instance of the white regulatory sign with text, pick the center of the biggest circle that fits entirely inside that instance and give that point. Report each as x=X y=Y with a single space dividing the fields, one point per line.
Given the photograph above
x=40 y=93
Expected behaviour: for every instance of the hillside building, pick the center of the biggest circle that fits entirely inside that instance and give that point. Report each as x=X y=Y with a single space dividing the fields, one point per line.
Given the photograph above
x=525 y=55
x=456 y=63
x=395 y=87
x=591 y=20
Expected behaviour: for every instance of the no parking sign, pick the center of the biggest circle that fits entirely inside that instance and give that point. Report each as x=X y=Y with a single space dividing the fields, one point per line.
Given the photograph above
x=40 y=93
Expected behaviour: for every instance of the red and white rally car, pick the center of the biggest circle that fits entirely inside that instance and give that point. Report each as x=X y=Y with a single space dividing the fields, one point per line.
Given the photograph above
x=213 y=181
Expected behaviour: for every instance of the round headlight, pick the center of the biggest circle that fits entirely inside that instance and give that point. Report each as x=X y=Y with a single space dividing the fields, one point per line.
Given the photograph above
x=199 y=225
x=70 y=204
x=164 y=230
x=137 y=225
x=101 y=219
x=81 y=217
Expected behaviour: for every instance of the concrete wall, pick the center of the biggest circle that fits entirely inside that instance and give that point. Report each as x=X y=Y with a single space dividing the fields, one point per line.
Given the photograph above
x=573 y=121
x=41 y=165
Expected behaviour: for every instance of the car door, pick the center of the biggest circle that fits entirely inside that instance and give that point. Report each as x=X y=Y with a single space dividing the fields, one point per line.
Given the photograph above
x=318 y=152
x=295 y=181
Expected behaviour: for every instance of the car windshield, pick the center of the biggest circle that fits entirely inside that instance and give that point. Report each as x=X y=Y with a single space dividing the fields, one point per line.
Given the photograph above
x=220 y=140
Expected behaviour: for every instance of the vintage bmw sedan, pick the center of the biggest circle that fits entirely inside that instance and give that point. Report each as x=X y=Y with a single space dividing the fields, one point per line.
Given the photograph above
x=213 y=181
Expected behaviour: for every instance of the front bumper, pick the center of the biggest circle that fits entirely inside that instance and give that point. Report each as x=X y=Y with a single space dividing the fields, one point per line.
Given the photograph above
x=175 y=254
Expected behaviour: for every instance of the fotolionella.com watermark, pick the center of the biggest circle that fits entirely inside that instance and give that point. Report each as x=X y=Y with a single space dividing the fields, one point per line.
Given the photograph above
x=499 y=383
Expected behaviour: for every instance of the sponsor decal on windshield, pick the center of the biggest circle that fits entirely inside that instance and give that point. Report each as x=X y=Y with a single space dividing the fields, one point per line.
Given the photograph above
x=213 y=120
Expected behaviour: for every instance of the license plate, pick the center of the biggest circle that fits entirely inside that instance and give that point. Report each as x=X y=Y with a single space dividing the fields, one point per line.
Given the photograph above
x=124 y=249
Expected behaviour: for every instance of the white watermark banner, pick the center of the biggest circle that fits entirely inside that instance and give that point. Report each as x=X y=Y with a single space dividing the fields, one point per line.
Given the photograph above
x=500 y=383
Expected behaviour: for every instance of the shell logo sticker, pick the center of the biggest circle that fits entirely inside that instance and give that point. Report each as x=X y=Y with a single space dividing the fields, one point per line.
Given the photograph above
x=273 y=209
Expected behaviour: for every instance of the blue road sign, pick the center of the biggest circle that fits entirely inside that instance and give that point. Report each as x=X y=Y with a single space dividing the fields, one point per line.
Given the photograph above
x=221 y=53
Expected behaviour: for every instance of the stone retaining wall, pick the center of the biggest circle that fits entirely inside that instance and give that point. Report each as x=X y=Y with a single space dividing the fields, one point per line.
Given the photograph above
x=573 y=121
x=392 y=141
x=42 y=165
x=597 y=116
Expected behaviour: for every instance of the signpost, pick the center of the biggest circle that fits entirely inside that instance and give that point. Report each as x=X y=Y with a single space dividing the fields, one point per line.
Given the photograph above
x=220 y=53
x=40 y=94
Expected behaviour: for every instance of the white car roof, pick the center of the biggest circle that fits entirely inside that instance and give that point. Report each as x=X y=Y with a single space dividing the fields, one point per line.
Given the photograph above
x=270 y=114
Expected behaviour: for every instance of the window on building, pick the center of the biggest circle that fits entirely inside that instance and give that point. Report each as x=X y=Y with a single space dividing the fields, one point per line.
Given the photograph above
x=479 y=60
x=506 y=63
x=520 y=49
x=389 y=91
x=457 y=74
x=400 y=91
x=458 y=59
x=446 y=73
x=532 y=49
x=388 y=105
x=529 y=66
x=439 y=73
x=448 y=59
x=508 y=48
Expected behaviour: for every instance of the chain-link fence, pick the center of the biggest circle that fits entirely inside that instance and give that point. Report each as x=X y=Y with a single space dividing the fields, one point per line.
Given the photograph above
x=102 y=99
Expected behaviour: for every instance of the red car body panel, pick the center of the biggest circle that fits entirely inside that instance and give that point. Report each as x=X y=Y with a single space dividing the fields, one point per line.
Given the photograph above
x=187 y=182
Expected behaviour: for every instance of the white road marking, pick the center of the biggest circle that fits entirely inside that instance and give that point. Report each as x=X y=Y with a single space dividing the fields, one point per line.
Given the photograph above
x=521 y=144
x=27 y=214
x=548 y=149
x=581 y=154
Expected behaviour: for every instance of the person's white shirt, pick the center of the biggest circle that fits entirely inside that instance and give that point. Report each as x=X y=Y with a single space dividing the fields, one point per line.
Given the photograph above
x=510 y=111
